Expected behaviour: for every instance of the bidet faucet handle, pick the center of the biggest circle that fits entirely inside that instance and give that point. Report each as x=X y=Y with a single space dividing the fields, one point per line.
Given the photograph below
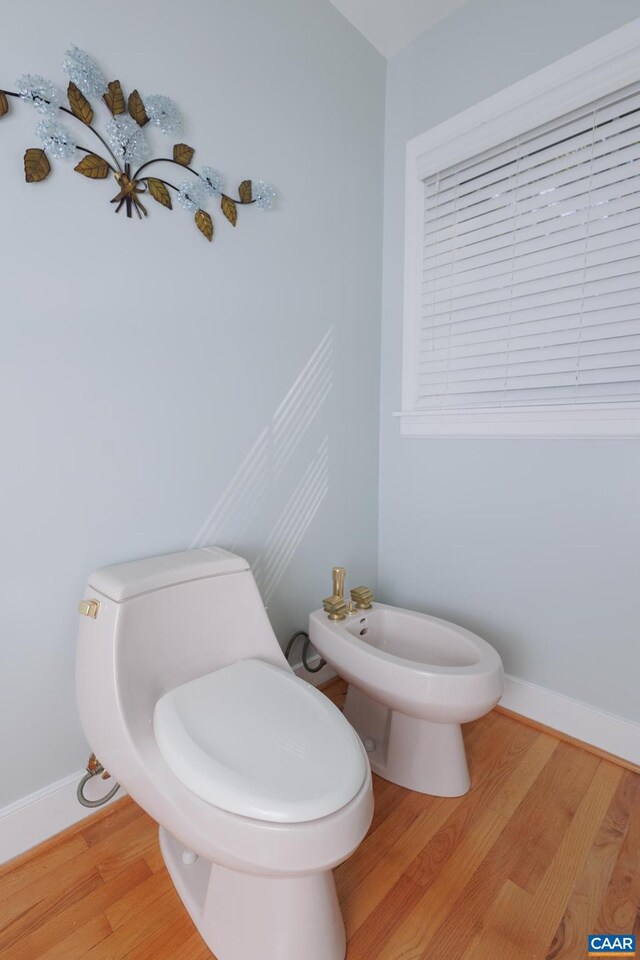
x=362 y=597
x=336 y=607
x=338 y=575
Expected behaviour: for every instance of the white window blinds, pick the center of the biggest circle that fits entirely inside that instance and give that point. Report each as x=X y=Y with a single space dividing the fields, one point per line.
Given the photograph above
x=531 y=270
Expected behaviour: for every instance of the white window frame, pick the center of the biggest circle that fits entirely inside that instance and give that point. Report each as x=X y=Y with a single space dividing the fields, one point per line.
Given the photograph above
x=588 y=74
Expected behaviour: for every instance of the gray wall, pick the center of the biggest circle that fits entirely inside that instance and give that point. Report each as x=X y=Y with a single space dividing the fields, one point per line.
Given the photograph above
x=149 y=391
x=534 y=544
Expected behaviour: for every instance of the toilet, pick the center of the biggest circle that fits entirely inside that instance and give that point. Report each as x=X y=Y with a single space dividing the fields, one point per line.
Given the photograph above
x=413 y=680
x=259 y=784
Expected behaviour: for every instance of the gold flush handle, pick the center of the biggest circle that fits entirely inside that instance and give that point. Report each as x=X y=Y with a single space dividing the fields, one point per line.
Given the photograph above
x=89 y=608
x=336 y=607
x=362 y=597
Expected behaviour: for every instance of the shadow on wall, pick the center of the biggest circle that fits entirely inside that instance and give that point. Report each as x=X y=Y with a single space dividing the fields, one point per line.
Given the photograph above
x=247 y=492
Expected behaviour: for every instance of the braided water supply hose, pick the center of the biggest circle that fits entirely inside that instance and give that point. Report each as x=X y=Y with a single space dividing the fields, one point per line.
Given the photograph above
x=94 y=768
x=305 y=650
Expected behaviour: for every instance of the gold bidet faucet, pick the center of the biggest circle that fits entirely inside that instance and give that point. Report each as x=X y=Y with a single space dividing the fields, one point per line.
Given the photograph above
x=336 y=606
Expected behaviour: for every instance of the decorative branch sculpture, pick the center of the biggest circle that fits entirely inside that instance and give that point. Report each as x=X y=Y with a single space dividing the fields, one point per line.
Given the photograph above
x=125 y=143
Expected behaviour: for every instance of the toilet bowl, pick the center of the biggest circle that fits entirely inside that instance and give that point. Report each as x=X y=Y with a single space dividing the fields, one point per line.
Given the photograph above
x=259 y=784
x=413 y=679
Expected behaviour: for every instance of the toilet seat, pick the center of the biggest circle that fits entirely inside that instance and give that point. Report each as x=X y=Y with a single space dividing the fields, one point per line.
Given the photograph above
x=257 y=741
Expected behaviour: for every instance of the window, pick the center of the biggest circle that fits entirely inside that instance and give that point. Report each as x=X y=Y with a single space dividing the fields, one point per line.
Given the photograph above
x=523 y=265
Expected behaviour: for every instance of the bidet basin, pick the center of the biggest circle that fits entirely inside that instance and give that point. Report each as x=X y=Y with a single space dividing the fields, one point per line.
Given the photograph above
x=413 y=679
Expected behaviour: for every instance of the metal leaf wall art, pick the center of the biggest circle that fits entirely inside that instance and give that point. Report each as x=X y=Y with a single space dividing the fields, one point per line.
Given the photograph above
x=123 y=151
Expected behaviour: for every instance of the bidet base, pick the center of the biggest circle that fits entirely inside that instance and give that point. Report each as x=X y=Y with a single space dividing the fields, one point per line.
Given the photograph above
x=241 y=916
x=417 y=754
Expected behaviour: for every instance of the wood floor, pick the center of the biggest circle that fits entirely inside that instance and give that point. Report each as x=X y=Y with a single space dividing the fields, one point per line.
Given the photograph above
x=543 y=850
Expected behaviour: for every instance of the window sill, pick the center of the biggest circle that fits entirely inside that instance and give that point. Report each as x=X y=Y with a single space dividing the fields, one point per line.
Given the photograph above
x=587 y=422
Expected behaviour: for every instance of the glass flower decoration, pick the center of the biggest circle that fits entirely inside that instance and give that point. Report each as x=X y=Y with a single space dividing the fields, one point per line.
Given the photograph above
x=127 y=139
x=120 y=150
x=264 y=195
x=212 y=180
x=56 y=139
x=39 y=92
x=192 y=194
x=163 y=112
x=84 y=72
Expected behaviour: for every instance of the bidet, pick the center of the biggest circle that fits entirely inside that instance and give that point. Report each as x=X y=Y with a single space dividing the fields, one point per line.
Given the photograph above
x=413 y=680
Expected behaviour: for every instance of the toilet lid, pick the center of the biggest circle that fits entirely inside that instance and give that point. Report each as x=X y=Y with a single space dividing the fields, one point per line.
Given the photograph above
x=255 y=740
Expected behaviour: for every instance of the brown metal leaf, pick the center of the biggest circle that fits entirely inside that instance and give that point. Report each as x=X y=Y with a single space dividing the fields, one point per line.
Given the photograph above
x=245 y=191
x=230 y=210
x=93 y=166
x=137 y=110
x=36 y=165
x=80 y=106
x=204 y=224
x=183 y=153
x=4 y=104
x=159 y=192
x=114 y=98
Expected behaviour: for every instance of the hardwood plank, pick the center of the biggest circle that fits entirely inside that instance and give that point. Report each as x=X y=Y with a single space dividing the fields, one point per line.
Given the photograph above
x=119 y=816
x=511 y=900
x=154 y=858
x=192 y=949
x=136 y=840
x=21 y=872
x=361 y=896
x=525 y=923
x=142 y=897
x=49 y=906
x=414 y=936
x=109 y=857
x=566 y=780
x=620 y=905
x=136 y=930
x=70 y=876
x=581 y=912
x=399 y=900
x=364 y=879
x=471 y=909
x=76 y=945
x=168 y=941
x=61 y=926
x=511 y=745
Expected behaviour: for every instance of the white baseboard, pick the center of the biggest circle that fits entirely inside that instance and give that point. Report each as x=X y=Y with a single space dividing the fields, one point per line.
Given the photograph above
x=596 y=727
x=40 y=815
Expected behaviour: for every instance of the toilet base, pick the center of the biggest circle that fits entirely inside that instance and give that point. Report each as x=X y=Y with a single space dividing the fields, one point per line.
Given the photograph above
x=418 y=754
x=242 y=916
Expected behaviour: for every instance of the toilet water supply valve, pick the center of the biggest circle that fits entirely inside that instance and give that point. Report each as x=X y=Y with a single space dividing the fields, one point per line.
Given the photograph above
x=94 y=769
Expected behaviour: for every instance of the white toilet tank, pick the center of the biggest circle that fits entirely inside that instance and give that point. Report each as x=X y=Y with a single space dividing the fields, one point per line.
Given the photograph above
x=162 y=622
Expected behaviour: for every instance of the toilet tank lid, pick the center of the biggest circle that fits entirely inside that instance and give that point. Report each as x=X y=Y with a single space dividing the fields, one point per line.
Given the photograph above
x=126 y=580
